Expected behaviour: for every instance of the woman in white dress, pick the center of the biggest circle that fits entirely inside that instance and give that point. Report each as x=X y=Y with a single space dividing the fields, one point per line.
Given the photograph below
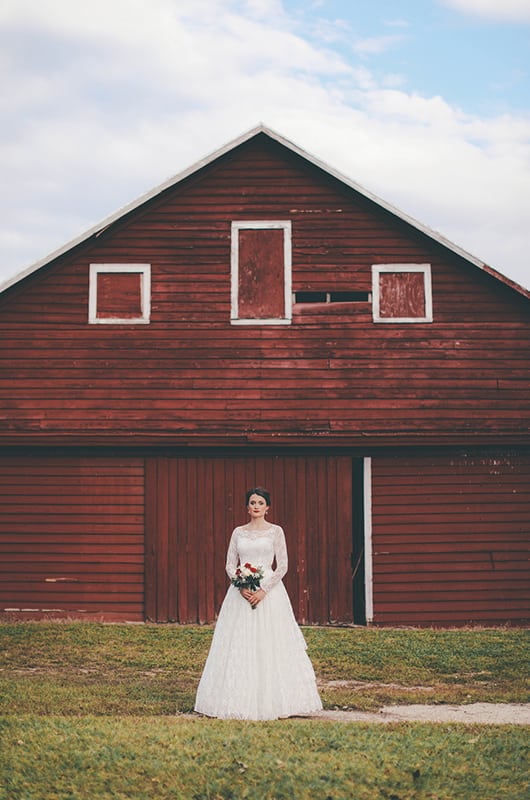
x=257 y=667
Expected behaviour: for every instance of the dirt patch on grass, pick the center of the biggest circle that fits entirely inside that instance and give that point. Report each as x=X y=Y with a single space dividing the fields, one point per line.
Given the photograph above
x=322 y=684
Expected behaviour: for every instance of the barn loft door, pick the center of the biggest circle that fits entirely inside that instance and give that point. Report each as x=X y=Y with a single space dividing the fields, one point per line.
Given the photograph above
x=193 y=505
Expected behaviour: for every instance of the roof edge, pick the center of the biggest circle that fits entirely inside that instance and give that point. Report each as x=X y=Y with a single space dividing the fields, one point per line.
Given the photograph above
x=232 y=145
x=126 y=209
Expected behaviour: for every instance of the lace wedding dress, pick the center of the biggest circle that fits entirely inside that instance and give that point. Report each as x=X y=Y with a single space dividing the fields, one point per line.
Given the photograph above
x=257 y=667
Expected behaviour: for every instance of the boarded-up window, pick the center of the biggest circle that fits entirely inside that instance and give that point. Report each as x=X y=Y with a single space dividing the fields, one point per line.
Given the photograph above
x=119 y=293
x=402 y=293
x=261 y=272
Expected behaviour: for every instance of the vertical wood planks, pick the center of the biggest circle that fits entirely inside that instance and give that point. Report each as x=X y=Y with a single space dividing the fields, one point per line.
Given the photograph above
x=207 y=500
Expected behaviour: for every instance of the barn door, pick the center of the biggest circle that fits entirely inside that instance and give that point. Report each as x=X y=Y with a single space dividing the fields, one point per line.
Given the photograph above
x=194 y=503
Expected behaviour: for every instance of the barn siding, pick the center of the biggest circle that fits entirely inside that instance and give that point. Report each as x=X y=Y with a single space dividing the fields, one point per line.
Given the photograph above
x=72 y=537
x=332 y=377
x=333 y=381
x=451 y=538
x=450 y=535
x=202 y=499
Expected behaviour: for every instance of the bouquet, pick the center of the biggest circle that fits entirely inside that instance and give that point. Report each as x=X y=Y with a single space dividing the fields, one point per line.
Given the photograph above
x=248 y=576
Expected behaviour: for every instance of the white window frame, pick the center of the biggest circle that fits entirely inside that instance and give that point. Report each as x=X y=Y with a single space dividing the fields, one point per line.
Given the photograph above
x=378 y=269
x=145 y=287
x=284 y=225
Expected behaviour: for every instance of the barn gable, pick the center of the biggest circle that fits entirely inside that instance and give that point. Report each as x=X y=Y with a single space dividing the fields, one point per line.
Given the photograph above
x=366 y=317
x=261 y=318
x=260 y=131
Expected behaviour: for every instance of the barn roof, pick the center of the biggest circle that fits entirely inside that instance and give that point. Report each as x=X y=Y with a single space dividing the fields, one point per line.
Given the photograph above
x=232 y=145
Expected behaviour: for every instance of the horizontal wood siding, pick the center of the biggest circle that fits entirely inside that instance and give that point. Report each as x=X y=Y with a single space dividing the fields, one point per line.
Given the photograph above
x=332 y=377
x=451 y=539
x=449 y=533
x=189 y=531
x=72 y=537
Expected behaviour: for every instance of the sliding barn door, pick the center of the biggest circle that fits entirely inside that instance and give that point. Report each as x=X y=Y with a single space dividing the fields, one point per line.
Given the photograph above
x=193 y=505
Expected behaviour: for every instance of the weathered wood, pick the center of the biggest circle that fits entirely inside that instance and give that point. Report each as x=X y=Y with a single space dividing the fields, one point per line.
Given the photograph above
x=206 y=501
x=450 y=526
x=72 y=537
x=261 y=264
x=450 y=533
x=119 y=295
x=467 y=371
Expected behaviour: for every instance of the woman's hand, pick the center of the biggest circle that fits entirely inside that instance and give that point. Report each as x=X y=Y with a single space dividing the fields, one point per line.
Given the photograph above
x=253 y=597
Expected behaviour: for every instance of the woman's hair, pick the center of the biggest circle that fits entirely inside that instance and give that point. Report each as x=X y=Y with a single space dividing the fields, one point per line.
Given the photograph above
x=261 y=492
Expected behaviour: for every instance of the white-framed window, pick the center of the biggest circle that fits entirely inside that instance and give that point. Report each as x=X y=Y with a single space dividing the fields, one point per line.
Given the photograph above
x=261 y=273
x=401 y=293
x=119 y=294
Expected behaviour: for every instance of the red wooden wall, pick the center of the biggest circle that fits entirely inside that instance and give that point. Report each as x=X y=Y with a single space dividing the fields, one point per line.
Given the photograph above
x=451 y=532
x=79 y=535
x=333 y=382
x=72 y=537
x=451 y=538
x=332 y=377
x=195 y=502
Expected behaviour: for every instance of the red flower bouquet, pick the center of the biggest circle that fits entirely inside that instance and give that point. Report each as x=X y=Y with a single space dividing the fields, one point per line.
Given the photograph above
x=247 y=576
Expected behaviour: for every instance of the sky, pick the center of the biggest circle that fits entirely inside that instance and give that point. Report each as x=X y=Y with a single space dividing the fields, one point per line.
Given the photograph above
x=425 y=103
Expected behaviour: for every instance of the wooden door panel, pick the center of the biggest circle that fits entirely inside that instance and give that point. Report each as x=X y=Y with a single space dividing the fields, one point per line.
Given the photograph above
x=311 y=500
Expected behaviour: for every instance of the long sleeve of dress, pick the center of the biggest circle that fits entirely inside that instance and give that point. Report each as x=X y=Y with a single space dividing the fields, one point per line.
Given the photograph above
x=232 y=557
x=280 y=552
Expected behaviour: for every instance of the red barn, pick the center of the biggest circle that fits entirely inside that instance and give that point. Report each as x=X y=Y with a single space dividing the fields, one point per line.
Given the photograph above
x=260 y=319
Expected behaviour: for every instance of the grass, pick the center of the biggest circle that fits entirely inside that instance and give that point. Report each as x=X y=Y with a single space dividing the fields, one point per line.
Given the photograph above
x=82 y=668
x=169 y=758
x=99 y=711
x=372 y=668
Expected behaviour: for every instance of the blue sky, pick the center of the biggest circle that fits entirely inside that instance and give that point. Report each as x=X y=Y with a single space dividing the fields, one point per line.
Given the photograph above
x=425 y=103
x=480 y=62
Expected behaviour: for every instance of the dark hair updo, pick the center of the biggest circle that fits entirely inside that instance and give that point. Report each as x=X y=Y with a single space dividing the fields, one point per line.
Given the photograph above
x=261 y=492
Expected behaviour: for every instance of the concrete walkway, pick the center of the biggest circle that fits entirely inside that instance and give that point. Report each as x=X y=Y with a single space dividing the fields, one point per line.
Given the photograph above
x=472 y=714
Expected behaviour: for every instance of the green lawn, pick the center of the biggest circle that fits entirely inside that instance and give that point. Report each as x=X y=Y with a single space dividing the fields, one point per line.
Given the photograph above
x=129 y=669
x=95 y=711
x=95 y=758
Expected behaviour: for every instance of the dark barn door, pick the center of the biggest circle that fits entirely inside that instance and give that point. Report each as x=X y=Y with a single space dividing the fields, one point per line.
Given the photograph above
x=192 y=505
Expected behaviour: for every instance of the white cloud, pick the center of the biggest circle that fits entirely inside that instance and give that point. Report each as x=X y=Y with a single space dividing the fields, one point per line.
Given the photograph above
x=375 y=44
x=331 y=31
x=507 y=10
x=101 y=104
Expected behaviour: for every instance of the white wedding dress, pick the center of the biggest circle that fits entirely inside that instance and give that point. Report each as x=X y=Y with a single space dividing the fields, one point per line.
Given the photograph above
x=257 y=667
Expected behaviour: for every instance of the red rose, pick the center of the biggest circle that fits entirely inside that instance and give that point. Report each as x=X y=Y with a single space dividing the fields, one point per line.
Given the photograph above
x=248 y=566
x=253 y=569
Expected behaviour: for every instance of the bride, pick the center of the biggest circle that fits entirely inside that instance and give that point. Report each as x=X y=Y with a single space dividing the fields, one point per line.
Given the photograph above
x=257 y=667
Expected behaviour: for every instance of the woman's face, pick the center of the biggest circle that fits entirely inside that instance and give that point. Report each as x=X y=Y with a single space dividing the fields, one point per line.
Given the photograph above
x=257 y=506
